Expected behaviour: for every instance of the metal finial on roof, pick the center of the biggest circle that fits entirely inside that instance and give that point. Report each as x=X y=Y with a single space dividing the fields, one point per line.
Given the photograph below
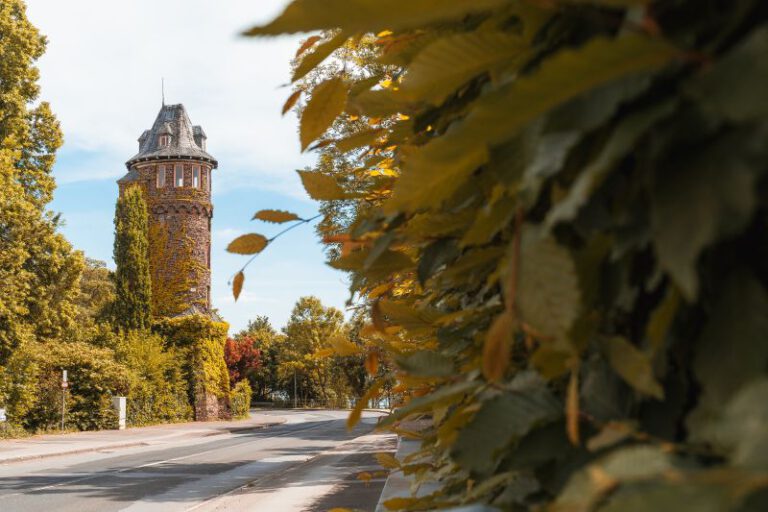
x=162 y=88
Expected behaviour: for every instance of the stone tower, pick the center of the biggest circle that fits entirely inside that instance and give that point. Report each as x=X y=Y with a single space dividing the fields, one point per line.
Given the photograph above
x=174 y=170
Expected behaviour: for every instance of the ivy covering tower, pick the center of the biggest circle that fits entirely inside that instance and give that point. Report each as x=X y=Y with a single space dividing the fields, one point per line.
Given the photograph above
x=171 y=174
x=174 y=170
x=131 y=253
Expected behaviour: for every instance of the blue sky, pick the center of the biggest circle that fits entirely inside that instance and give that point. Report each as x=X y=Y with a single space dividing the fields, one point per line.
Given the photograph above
x=102 y=73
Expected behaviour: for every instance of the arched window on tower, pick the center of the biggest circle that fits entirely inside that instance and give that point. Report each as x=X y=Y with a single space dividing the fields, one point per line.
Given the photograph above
x=160 y=176
x=179 y=176
x=163 y=140
x=196 y=176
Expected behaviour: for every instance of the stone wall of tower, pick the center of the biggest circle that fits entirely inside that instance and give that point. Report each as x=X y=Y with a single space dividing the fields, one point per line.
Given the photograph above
x=179 y=235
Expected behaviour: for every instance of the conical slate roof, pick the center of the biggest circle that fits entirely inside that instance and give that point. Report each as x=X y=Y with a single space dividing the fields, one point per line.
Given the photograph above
x=186 y=140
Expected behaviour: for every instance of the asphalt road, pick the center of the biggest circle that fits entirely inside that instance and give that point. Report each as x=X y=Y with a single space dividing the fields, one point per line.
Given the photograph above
x=309 y=463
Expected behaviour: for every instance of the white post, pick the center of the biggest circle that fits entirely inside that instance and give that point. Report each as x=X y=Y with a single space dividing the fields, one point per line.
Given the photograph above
x=118 y=403
x=64 y=386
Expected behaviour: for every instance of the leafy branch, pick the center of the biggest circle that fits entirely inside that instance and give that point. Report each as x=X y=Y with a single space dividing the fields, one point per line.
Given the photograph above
x=254 y=243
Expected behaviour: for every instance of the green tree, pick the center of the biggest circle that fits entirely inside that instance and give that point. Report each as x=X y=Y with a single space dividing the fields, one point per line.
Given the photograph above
x=38 y=269
x=131 y=252
x=97 y=291
x=263 y=380
x=310 y=328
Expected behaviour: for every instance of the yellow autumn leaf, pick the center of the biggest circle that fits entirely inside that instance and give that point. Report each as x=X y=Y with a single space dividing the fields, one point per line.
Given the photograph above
x=251 y=243
x=275 y=216
x=572 y=408
x=291 y=101
x=327 y=102
x=343 y=347
x=237 y=284
x=387 y=460
x=320 y=186
x=372 y=363
x=357 y=411
x=498 y=347
x=307 y=44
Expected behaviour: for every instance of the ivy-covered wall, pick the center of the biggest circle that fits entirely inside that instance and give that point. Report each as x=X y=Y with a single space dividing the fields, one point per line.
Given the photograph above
x=179 y=236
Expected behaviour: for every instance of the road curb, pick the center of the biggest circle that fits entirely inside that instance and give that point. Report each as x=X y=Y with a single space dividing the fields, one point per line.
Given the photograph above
x=23 y=458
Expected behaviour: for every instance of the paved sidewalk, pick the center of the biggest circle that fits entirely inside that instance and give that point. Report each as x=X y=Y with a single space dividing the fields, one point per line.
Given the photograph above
x=53 y=445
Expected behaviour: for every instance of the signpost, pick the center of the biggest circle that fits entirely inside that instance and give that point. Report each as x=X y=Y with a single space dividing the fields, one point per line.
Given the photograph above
x=64 y=386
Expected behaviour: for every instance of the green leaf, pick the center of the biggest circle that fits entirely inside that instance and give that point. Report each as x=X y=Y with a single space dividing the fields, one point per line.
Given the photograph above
x=448 y=63
x=251 y=243
x=633 y=366
x=367 y=15
x=618 y=146
x=489 y=221
x=703 y=197
x=587 y=486
x=435 y=256
x=732 y=351
x=321 y=186
x=426 y=363
x=548 y=294
x=327 y=102
x=502 y=421
x=734 y=86
x=682 y=496
x=744 y=427
x=311 y=60
x=363 y=138
x=275 y=216
x=443 y=165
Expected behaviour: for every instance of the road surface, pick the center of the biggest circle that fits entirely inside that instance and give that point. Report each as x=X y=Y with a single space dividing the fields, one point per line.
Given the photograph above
x=310 y=463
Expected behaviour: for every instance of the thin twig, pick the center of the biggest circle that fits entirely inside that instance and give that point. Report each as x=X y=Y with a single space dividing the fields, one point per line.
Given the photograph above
x=281 y=233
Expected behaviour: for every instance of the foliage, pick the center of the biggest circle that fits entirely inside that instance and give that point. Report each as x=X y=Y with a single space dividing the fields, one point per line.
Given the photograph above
x=133 y=287
x=242 y=358
x=170 y=295
x=97 y=293
x=94 y=377
x=204 y=341
x=558 y=229
x=158 y=381
x=266 y=341
x=38 y=269
x=310 y=329
x=241 y=399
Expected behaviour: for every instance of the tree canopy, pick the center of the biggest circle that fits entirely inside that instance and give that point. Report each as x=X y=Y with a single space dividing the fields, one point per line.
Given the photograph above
x=133 y=287
x=38 y=268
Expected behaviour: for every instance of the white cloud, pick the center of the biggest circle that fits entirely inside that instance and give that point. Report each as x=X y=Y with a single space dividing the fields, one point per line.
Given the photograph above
x=227 y=234
x=102 y=74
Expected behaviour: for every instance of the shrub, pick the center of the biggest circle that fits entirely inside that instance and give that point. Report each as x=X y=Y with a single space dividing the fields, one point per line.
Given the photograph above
x=202 y=340
x=94 y=377
x=241 y=399
x=159 y=382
